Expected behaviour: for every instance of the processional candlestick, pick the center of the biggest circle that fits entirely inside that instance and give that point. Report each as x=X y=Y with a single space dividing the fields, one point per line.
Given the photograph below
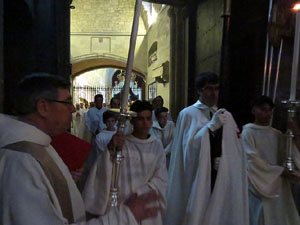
x=292 y=103
x=116 y=153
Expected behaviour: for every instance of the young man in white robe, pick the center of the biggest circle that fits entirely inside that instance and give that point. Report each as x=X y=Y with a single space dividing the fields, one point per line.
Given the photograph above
x=163 y=129
x=30 y=193
x=207 y=173
x=104 y=137
x=143 y=168
x=271 y=200
x=93 y=119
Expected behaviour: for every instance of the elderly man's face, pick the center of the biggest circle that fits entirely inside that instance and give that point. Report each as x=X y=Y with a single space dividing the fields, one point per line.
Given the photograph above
x=59 y=117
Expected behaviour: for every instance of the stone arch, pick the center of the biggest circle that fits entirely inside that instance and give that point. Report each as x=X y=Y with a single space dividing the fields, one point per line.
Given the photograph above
x=88 y=63
x=92 y=63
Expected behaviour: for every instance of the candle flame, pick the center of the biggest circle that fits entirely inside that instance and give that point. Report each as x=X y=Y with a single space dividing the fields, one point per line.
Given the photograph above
x=296 y=7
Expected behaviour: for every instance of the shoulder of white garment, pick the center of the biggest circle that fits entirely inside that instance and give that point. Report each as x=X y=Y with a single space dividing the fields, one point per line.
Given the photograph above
x=156 y=125
x=133 y=139
x=252 y=126
x=170 y=124
x=13 y=131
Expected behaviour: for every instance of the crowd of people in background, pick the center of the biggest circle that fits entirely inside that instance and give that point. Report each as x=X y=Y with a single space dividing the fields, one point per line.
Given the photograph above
x=96 y=125
x=199 y=170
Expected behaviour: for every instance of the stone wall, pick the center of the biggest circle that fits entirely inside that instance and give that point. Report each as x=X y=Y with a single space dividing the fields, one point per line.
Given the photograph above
x=103 y=16
x=102 y=27
x=209 y=36
x=159 y=32
x=36 y=39
x=1 y=58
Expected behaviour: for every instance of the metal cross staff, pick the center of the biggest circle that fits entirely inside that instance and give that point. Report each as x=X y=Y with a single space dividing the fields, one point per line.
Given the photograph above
x=116 y=154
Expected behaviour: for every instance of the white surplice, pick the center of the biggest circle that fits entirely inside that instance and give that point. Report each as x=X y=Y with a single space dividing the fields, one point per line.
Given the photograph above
x=189 y=197
x=94 y=119
x=26 y=195
x=165 y=135
x=143 y=169
x=102 y=140
x=271 y=199
x=77 y=120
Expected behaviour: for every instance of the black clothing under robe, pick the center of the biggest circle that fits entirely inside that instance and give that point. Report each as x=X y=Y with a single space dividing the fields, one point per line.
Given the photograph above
x=215 y=139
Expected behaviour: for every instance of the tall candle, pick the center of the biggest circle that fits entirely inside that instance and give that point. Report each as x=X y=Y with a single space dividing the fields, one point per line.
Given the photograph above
x=130 y=59
x=295 y=59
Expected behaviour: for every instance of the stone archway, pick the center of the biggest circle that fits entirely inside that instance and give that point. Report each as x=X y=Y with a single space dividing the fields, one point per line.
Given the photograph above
x=88 y=64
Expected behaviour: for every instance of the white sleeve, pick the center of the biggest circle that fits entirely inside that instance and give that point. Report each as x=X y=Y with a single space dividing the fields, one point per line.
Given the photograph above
x=120 y=215
x=159 y=180
x=90 y=124
x=168 y=148
x=100 y=142
x=265 y=178
x=25 y=194
x=26 y=199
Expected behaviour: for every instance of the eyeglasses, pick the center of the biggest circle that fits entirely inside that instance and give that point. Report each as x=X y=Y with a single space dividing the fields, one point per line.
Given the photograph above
x=70 y=103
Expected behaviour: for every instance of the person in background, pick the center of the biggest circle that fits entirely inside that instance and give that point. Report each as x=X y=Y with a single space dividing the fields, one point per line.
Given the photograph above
x=270 y=196
x=163 y=129
x=158 y=102
x=94 y=121
x=114 y=103
x=104 y=137
x=78 y=119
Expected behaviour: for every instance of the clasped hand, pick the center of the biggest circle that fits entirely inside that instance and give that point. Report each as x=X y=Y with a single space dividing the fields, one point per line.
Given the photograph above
x=140 y=206
x=218 y=119
x=117 y=141
x=291 y=175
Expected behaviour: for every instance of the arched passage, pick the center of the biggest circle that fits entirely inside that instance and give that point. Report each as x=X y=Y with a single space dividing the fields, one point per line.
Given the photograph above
x=83 y=65
x=88 y=64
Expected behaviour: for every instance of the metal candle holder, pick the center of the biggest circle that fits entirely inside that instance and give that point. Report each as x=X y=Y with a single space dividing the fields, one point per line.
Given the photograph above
x=116 y=154
x=117 y=158
x=291 y=106
x=292 y=103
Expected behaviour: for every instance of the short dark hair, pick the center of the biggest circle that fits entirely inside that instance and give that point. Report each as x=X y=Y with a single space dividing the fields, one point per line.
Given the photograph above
x=203 y=78
x=112 y=100
x=261 y=100
x=160 y=110
x=98 y=96
x=157 y=97
x=108 y=114
x=139 y=106
x=37 y=86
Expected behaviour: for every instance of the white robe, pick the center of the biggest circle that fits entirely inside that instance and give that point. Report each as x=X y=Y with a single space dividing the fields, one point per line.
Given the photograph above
x=165 y=135
x=83 y=130
x=77 y=121
x=271 y=199
x=26 y=195
x=94 y=120
x=143 y=169
x=154 y=117
x=189 y=197
x=102 y=140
